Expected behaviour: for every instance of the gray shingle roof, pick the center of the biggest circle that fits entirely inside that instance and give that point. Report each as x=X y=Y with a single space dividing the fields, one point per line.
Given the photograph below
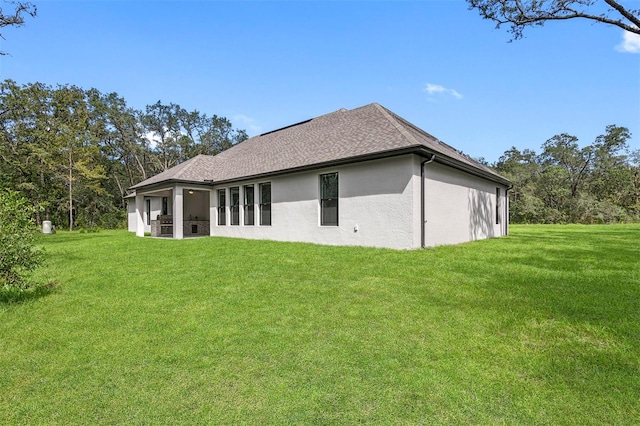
x=193 y=170
x=341 y=136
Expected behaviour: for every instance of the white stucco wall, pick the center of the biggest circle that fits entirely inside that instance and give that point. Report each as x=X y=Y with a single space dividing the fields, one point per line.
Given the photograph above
x=156 y=208
x=460 y=207
x=131 y=214
x=376 y=207
x=379 y=206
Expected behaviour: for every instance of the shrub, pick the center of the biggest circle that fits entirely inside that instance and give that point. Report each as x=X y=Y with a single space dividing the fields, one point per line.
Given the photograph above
x=17 y=235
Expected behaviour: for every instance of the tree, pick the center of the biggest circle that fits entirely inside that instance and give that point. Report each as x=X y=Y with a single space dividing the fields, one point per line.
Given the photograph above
x=562 y=154
x=633 y=202
x=26 y=146
x=520 y=14
x=162 y=125
x=598 y=183
x=15 y=17
x=76 y=132
x=73 y=152
x=49 y=147
x=124 y=148
x=207 y=135
x=17 y=252
x=179 y=135
x=524 y=172
x=611 y=176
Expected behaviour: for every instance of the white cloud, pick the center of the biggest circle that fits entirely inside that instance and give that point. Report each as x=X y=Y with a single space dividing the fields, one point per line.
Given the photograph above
x=153 y=139
x=630 y=43
x=433 y=89
x=249 y=124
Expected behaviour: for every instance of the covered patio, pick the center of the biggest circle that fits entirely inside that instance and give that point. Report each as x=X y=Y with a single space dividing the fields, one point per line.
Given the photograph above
x=176 y=211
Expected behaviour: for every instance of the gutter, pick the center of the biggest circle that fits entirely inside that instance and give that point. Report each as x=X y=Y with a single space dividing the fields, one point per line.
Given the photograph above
x=162 y=183
x=456 y=164
x=330 y=163
x=507 y=208
x=420 y=150
x=422 y=200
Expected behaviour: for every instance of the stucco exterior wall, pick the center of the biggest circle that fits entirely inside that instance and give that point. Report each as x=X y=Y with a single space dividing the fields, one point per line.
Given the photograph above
x=376 y=207
x=379 y=206
x=156 y=208
x=131 y=214
x=460 y=207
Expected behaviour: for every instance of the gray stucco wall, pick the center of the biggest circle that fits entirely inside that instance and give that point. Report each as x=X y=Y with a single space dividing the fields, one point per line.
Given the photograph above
x=460 y=207
x=156 y=208
x=131 y=214
x=376 y=203
x=379 y=206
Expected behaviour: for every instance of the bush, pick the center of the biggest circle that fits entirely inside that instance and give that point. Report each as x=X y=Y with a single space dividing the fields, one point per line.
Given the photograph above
x=17 y=235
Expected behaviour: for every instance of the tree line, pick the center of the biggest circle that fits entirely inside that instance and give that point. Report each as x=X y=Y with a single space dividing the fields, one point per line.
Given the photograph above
x=598 y=183
x=74 y=152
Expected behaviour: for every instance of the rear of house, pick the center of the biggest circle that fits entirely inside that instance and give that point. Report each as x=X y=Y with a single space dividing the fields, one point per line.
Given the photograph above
x=361 y=177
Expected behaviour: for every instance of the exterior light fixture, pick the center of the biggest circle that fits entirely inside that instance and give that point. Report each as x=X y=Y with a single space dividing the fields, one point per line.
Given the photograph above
x=191 y=191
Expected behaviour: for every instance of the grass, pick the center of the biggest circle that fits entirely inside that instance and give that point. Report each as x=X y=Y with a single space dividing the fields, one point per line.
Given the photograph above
x=541 y=327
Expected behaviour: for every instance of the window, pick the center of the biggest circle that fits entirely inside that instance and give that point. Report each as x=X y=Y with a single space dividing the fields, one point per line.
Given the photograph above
x=249 y=207
x=265 y=204
x=234 y=193
x=497 y=206
x=148 y=212
x=329 y=199
x=165 y=206
x=222 y=205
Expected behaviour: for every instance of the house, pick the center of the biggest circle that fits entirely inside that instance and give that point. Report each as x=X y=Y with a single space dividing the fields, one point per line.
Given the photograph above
x=363 y=177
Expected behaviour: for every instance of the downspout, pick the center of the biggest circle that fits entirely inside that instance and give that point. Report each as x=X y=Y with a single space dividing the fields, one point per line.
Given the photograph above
x=507 y=207
x=422 y=210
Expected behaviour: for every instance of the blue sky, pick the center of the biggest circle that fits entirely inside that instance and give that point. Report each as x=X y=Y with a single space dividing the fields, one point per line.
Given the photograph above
x=265 y=65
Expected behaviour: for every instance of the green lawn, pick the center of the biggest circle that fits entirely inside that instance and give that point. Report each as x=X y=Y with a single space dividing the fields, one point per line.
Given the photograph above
x=541 y=327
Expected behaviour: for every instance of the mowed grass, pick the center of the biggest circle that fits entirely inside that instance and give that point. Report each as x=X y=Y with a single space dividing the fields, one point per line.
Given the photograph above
x=541 y=327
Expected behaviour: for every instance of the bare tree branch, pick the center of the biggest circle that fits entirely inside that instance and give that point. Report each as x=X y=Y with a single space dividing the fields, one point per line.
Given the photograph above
x=16 y=17
x=520 y=14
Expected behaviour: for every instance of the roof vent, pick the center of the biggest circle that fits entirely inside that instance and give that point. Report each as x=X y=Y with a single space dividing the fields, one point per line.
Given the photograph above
x=343 y=110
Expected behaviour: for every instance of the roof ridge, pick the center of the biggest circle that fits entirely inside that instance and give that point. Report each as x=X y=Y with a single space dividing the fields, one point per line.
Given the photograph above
x=393 y=120
x=414 y=127
x=439 y=142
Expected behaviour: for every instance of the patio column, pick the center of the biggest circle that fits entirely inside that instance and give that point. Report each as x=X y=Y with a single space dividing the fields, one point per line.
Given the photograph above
x=213 y=217
x=139 y=217
x=178 y=213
